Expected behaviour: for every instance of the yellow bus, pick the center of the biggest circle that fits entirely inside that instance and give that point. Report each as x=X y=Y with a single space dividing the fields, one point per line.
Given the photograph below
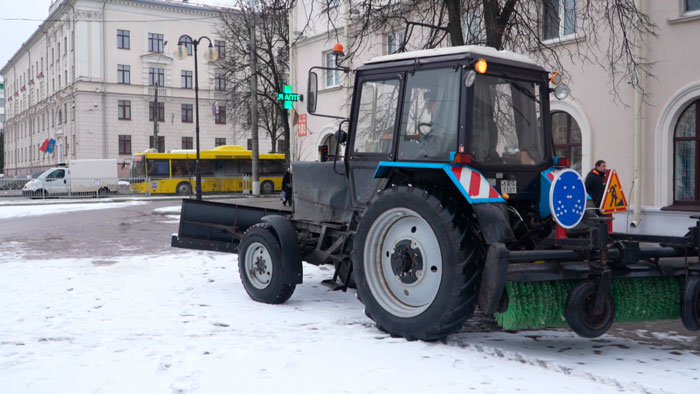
x=222 y=168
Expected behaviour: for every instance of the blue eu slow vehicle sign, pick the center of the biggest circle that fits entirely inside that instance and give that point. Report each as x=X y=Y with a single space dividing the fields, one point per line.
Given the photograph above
x=567 y=198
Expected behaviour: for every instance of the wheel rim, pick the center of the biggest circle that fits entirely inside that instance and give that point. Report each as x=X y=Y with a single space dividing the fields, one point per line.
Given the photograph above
x=588 y=315
x=184 y=189
x=258 y=265
x=268 y=188
x=402 y=262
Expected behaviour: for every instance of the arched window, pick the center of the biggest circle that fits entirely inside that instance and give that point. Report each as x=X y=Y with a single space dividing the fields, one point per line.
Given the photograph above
x=187 y=42
x=332 y=144
x=567 y=138
x=685 y=163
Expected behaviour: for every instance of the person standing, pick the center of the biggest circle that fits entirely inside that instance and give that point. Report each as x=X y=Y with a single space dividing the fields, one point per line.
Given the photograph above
x=287 y=188
x=595 y=182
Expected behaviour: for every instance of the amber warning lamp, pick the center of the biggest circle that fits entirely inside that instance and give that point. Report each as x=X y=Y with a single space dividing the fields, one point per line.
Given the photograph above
x=481 y=66
x=338 y=50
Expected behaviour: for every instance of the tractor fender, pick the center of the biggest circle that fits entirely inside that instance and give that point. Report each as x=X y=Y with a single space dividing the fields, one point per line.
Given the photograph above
x=488 y=204
x=493 y=279
x=291 y=255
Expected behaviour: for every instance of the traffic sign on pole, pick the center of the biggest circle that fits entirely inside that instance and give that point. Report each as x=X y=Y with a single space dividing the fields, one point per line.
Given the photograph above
x=614 y=198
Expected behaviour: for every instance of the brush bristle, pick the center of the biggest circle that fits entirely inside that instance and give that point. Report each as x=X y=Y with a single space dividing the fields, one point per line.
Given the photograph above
x=541 y=304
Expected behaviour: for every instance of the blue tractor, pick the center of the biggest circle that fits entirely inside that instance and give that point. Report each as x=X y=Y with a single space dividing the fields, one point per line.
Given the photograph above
x=445 y=200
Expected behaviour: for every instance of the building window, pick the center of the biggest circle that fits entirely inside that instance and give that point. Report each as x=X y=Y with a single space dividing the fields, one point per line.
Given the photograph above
x=161 y=143
x=123 y=39
x=686 y=141
x=124 y=110
x=161 y=111
x=332 y=76
x=186 y=142
x=186 y=113
x=395 y=41
x=186 y=79
x=156 y=75
x=155 y=42
x=692 y=5
x=567 y=138
x=220 y=46
x=187 y=42
x=123 y=73
x=220 y=117
x=124 y=144
x=281 y=144
x=558 y=18
x=219 y=141
x=250 y=144
x=219 y=82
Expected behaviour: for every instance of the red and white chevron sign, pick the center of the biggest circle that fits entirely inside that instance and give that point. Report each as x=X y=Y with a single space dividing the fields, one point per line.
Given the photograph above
x=475 y=184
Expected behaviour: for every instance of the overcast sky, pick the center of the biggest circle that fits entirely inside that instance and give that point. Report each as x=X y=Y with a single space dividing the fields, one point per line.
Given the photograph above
x=20 y=18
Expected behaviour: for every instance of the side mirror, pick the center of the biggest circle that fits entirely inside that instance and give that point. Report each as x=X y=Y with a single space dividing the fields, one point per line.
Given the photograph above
x=312 y=93
x=341 y=136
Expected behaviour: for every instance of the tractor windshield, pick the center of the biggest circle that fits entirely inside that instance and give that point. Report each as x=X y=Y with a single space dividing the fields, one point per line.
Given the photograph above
x=506 y=128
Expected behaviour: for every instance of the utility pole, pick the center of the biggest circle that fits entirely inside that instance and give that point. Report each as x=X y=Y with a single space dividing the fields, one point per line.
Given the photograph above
x=254 y=102
x=155 y=116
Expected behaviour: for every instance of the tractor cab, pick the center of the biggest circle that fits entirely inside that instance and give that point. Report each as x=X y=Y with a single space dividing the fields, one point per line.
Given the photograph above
x=418 y=115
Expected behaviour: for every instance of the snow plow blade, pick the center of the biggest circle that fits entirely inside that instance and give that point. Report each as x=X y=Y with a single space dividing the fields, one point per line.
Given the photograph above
x=206 y=225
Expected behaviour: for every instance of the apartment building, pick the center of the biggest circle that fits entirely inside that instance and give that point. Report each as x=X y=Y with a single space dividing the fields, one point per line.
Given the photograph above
x=590 y=124
x=88 y=78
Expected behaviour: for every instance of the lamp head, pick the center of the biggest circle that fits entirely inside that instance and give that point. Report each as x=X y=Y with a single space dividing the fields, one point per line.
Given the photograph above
x=211 y=54
x=181 y=51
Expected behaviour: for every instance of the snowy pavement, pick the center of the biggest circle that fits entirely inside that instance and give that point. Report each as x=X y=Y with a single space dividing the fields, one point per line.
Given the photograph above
x=181 y=322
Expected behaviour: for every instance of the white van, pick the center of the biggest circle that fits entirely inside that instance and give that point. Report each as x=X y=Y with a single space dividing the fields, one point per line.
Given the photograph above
x=80 y=176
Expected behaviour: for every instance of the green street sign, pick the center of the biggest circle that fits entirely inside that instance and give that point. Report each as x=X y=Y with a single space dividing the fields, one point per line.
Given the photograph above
x=288 y=97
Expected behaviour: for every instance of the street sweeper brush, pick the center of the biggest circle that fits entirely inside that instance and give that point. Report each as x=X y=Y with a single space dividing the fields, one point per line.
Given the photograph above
x=543 y=304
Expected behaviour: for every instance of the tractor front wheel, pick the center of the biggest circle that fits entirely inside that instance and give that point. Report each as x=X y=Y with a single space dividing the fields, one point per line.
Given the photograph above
x=415 y=269
x=260 y=266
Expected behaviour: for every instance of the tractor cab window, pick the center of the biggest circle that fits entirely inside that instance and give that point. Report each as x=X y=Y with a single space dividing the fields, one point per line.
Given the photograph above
x=376 y=116
x=429 y=124
x=505 y=124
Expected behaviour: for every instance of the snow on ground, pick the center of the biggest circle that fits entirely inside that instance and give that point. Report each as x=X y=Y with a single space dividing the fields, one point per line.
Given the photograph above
x=14 y=211
x=182 y=323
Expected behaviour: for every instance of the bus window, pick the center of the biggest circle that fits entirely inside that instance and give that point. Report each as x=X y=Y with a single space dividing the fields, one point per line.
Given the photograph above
x=138 y=167
x=158 y=168
x=226 y=167
x=245 y=166
x=206 y=167
x=272 y=167
x=183 y=167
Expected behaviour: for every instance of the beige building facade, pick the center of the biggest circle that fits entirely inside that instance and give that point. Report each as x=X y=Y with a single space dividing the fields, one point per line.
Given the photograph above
x=589 y=125
x=87 y=79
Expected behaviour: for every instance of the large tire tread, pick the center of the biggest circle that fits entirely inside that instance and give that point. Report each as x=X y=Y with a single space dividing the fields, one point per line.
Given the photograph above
x=465 y=242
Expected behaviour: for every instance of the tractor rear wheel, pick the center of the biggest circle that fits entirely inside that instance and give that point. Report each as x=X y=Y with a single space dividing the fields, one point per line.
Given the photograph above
x=690 y=304
x=416 y=271
x=580 y=310
x=260 y=266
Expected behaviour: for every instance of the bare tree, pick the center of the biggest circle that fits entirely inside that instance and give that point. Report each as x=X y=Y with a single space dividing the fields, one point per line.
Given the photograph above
x=610 y=28
x=272 y=32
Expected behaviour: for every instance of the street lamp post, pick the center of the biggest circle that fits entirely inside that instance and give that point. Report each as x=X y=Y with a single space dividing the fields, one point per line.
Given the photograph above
x=210 y=54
